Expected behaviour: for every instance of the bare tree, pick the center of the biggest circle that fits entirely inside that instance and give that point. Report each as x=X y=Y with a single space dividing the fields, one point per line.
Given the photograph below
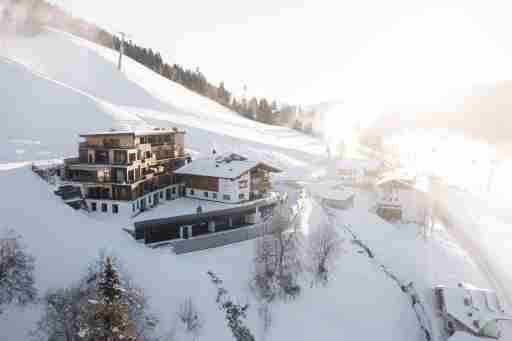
x=190 y=317
x=16 y=272
x=324 y=244
x=266 y=317
x=277 y=261
x=61 y=314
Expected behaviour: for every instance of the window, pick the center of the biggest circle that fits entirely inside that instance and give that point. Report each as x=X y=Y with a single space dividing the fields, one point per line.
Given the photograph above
x=115 y=208
x=205 y=194
x=132 y=157
x=174 y=190
x=168 y=194
x=191 y=192
x=214 y=195
x=241 y=196
x=149 y=199
x=133 y=207
x=148 y=154
x=104 y=207
x=93 y=206
x=161 y=194
x=137 y=204
x=226 y=197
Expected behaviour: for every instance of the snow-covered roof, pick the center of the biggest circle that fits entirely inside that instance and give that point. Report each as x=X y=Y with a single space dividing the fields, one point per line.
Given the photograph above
x=228 y=167
x=331 y=190
x=367 y=164
x=419 y=184
x=145 y=132
x=186 y=206
x=180 y=206
x=475 y=308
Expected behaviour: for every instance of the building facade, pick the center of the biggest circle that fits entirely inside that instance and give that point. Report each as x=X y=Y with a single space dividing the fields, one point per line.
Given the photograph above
x=400 y=198
x=229 y=179
x=127 y=171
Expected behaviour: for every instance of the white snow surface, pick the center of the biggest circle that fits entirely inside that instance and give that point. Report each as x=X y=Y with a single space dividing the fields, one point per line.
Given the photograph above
x=211 y=167
x=55 y=85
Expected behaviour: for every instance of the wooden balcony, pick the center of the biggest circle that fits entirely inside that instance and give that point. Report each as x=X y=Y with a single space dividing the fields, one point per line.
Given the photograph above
x=105 y=145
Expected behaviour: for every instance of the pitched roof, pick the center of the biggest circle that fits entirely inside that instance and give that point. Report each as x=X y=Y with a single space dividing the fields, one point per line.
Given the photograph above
x=229 y=166
x=331 y=190
x=368 y=164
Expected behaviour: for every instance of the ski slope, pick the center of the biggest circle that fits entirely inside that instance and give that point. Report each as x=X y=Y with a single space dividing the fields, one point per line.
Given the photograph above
x=92 y=93
x=55 y=85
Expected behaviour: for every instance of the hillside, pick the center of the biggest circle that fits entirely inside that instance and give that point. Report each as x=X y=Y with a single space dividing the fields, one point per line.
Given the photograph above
x=57 y=85
x=85 y=74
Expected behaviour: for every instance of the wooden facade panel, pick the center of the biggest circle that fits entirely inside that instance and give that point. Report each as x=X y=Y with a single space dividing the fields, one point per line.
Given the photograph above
x=205 y=183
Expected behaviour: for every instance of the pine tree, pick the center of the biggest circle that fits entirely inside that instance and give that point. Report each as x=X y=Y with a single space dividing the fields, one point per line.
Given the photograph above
x=106 y=318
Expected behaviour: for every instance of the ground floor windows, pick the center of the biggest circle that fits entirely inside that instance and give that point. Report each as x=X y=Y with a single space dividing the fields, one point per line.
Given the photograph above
x=191 y=192
x=104 y=207
x=115 y=208
x=133 y=207
x=168 y=194
x=93 y=206
x=241 y=196
x=161 y=194
x=226 y=197
x=174 y=190
x=205 y=194
x=214 y=195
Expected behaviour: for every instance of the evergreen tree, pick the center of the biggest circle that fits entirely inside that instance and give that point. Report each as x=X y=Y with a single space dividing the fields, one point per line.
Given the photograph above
x=73 y=313
x=107 y=318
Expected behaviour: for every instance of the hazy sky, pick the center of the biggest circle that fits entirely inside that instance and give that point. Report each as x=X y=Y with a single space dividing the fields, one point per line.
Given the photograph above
x=309 y=51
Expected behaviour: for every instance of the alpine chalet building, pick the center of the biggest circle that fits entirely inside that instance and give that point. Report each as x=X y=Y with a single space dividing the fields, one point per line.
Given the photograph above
x=127 y=171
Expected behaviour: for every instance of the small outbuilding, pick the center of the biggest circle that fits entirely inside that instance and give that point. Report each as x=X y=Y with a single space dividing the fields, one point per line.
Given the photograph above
x=469 y=310
x=334 y=195
x=358 y=172
x=402 y=198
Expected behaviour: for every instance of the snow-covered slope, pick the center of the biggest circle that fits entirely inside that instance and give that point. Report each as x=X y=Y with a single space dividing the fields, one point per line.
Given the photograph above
x=55 y=85
x=136 y=94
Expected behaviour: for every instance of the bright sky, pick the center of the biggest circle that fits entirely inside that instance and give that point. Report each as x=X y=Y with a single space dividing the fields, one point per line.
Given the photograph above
x=310 y=51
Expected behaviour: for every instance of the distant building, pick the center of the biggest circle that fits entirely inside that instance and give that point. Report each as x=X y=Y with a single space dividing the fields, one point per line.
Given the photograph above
x=127 y=171
x=358 y=172
x=402 y=198
x=334 y=195
x=466 y=309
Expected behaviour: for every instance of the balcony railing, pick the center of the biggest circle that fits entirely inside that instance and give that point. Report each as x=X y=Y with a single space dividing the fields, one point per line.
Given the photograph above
x=84 y=145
